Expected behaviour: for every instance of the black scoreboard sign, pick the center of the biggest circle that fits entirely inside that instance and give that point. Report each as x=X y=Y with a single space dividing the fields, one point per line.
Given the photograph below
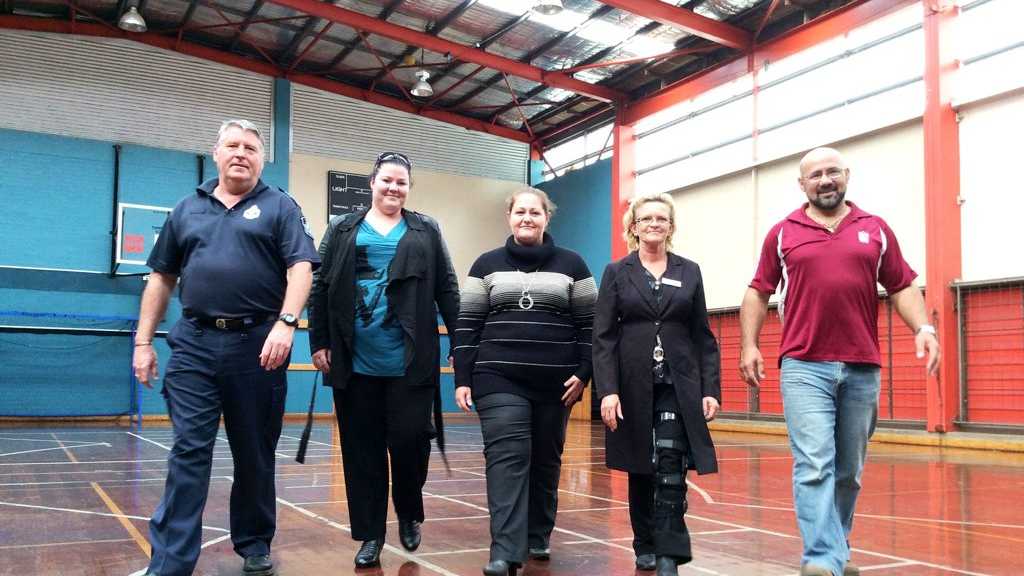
x=347 y=193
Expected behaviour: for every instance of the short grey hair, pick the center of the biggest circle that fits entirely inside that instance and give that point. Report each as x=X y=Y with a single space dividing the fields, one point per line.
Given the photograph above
x=244 y=125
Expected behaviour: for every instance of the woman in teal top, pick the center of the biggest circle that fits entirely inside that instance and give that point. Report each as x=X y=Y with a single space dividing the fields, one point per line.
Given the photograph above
x=373 y=333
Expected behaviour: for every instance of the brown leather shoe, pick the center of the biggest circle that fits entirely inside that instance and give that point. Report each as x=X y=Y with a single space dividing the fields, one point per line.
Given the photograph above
x=851 y=569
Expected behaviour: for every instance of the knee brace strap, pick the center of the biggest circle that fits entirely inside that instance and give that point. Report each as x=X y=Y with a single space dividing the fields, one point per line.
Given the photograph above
x=670 y=479
x=669 y=444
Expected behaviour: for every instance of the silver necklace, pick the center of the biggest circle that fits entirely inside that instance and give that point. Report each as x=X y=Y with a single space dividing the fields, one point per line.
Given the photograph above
x=525 y=300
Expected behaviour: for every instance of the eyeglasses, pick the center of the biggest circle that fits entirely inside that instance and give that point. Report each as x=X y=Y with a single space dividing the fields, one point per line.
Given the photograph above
x=646 y=220
x=832 y=173
x=392 y=156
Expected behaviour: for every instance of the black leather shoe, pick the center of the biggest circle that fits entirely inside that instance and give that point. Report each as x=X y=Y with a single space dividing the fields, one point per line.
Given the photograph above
x=666 y=566
x=258 y=565
x=409 y=534
x=500 y=568
x=540 y=553
x=369 y=553
x=645 y=562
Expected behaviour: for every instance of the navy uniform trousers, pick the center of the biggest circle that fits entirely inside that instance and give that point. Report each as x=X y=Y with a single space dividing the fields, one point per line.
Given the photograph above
x=211 y=372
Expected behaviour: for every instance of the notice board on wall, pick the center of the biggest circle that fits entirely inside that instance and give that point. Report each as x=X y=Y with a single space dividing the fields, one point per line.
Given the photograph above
x=347 y=193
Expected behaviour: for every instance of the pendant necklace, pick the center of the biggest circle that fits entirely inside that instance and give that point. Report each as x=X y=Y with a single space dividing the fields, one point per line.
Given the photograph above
x=525 y=300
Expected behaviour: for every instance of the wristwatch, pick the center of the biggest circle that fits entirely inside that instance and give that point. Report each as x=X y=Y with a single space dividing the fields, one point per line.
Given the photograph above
x=289 y=319
x=927 y=328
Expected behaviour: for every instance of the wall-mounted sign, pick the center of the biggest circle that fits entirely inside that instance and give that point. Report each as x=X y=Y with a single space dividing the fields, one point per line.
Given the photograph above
x=347 y=193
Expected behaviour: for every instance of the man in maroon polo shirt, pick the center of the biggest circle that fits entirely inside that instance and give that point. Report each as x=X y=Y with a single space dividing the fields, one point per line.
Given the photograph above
x=826 y=259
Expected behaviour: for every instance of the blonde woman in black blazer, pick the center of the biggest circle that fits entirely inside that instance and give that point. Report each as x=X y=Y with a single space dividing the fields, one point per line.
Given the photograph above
x=656 y=368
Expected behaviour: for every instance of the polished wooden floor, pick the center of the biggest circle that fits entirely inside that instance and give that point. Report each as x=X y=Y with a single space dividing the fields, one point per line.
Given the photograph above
x=76 y=501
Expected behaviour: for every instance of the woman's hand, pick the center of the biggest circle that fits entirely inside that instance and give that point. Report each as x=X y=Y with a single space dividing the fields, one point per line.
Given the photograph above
x=610 y=409
x=322 y=360
x=711 y=408
x=573 y=390
x=464 y=398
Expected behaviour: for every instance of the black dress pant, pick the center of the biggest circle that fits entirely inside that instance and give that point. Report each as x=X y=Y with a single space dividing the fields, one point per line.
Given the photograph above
x=656 y=507
x=378 y=417
x=212 y=373
x=523 y=443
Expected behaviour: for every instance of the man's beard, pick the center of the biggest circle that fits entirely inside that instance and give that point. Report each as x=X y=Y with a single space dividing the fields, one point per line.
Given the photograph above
x=828 y=204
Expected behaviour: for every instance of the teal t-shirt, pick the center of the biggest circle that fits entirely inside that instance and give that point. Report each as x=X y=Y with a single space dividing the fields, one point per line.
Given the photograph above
x=379 y=345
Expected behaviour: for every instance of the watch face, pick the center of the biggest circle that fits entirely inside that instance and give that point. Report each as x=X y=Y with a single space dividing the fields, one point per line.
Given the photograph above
x=289 y=319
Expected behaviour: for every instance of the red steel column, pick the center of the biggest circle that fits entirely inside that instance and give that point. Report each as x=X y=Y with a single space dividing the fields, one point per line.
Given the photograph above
x=623 y=178
x=942 y=208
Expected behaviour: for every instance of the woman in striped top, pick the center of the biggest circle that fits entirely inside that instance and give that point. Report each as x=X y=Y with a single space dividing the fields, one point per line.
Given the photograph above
x=522 y=353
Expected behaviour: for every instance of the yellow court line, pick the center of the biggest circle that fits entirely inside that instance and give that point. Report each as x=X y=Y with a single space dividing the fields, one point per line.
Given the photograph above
x=111 y=505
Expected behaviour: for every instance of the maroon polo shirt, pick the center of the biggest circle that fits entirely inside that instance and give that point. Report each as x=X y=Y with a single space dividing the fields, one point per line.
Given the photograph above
x=828 y=299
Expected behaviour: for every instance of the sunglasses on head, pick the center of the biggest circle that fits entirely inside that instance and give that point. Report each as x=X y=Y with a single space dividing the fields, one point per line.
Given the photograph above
x=393 y=156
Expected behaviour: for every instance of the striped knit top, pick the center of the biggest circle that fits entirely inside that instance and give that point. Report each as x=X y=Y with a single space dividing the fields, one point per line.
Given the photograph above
x=525 y=322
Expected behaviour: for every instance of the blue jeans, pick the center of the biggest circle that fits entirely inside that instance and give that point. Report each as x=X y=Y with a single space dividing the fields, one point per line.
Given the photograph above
x=831 y=409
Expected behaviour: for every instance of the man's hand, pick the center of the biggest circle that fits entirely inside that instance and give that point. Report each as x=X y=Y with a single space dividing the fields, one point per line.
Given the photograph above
x=752 y=366
x=277 y=346
x=145 y=364
x=573 y=390
x=926 y=341
x=711 y=408
x=322 y=360
x=464 y=398
x=610 y=410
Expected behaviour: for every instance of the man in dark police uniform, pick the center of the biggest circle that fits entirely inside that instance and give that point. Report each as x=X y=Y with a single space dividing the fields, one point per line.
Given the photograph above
x=245 y=259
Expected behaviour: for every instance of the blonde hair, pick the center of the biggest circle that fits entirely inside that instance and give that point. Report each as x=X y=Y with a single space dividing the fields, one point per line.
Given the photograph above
x=545 y=201
x=629 y=218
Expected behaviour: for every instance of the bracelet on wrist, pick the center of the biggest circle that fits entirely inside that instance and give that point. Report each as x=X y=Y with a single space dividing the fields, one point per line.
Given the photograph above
x=146 y=343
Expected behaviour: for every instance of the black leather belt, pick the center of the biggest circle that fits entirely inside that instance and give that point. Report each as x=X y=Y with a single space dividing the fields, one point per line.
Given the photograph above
x=232 y=324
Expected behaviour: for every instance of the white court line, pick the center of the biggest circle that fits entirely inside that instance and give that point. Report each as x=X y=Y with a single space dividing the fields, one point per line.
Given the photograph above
x=311 y=441
x=92 y=513
x=938 y=521
x=216 y=540
x=43 y=440
x=889 y=517
x=452 y=552
x=56 y=448
x=890 y=565
x=707 y=497
x=153 y=442
x=82 y=482
x=74 y=542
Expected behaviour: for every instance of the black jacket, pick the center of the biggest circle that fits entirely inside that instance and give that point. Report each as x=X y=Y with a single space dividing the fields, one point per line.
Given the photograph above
x=420 y=275
x=626 y=321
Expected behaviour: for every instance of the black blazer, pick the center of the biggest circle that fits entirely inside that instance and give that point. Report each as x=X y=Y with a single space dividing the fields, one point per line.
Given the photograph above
x=627 y=319
x=420 y=278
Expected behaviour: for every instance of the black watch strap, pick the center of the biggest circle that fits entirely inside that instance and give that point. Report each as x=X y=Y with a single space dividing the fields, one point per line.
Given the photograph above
x=289 y=319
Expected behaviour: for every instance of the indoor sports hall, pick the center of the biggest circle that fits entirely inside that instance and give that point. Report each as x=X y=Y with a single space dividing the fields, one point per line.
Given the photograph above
x=109 y=115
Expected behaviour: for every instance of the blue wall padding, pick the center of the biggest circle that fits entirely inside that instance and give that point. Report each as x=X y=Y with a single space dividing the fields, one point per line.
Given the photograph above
x=583 y=218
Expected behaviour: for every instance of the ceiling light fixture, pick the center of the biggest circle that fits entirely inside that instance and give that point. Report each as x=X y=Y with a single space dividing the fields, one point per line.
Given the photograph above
x=548 y=7
x=131 y=20
x=422 y=88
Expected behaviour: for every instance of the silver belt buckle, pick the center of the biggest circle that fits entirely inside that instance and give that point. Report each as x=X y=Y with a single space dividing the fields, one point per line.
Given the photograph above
x=221 y=323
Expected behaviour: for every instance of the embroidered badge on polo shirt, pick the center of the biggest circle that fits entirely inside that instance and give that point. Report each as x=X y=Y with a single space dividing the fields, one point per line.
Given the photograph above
x=252 y=213
x=864 y=237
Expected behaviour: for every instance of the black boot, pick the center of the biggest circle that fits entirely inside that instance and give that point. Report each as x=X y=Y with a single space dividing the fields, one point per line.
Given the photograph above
x=500 y=568
x=667 y=566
